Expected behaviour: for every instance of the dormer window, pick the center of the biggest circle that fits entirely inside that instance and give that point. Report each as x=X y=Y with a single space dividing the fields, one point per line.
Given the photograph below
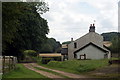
x=75 y=45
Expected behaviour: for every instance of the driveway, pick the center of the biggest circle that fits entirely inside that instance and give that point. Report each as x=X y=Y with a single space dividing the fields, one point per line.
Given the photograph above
x=50 y=75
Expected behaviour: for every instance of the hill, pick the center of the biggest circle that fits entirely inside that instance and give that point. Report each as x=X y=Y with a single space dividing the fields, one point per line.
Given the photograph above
x=110 y=35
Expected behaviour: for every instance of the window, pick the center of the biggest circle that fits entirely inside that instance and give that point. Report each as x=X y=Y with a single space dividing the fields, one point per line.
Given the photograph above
x=75 y=45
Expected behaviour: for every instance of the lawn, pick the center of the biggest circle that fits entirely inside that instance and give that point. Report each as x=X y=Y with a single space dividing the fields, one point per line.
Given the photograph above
x=22 y=72
x=77 y=66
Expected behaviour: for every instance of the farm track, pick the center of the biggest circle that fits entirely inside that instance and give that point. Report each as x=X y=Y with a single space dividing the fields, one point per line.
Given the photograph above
x=47 y=74
x=70 y=75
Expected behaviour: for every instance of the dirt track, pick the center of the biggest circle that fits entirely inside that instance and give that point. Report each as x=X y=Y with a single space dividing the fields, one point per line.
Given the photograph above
x=50 y=75
x=47 y=74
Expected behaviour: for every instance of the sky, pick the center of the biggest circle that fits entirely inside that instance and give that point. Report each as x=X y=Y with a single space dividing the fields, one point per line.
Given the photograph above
x=71 y=18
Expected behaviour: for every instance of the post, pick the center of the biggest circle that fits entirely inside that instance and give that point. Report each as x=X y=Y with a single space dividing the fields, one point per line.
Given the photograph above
x=9 y=63
x=3 y=58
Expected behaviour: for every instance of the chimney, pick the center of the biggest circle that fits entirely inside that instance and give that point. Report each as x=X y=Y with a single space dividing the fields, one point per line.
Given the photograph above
x=92 y=28
x=71 y=39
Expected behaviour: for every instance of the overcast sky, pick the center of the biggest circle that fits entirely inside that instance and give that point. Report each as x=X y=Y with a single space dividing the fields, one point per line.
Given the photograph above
x=71 y=18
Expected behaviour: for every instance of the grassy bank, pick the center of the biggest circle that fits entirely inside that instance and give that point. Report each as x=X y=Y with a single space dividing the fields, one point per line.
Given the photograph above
x=22 y=72
x=77 y=66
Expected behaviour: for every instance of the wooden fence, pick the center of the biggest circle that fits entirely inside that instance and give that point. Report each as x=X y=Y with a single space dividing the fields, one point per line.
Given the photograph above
x=8 y=63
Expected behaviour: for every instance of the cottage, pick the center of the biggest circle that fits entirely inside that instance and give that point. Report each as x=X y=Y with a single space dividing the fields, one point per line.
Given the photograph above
x=89 y=46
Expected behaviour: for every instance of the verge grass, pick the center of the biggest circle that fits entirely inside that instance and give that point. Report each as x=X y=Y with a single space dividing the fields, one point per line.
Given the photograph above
x=77 y=66
x=22 y=72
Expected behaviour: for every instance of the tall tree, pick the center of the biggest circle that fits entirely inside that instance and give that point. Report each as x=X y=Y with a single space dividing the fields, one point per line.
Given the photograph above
x=51 y=46
x=23 y=27
x=10 y=23
x=115 y=47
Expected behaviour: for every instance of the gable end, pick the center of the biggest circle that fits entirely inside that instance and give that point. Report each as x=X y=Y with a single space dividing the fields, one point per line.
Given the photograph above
x=93 y=45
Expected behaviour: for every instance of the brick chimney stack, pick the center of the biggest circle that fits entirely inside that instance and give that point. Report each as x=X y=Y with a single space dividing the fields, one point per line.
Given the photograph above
x=71 y=39
x=92 y=28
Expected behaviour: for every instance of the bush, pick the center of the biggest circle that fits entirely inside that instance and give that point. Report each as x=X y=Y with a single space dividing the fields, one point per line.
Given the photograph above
x=30 y=53
x=29 y=56
x=46 y=60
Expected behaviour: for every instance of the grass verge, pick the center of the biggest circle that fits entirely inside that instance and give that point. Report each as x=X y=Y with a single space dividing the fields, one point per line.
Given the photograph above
x=22 y=72
x=77 y=66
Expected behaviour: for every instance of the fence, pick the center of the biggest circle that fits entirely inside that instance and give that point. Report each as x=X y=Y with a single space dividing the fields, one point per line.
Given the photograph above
x=8 y=63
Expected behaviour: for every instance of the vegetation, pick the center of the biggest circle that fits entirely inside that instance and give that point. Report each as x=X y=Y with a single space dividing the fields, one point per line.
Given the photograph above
x=30 y=53
x=22 y=72
x=114 y=37
x=51 y=46
x=24 y=29
x=46 y=60
x=109 y=36
x=115 y=47
x=67 y=42
x=78 y=66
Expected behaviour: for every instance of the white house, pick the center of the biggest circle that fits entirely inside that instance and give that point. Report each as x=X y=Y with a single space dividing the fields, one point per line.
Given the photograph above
x=89 y=46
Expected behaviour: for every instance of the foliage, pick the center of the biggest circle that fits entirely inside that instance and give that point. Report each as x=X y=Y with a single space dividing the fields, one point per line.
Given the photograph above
x=67 y=42
x=115 y=47
x=22 y=72
x=79 y=66
x=46 y=60
x=10 y=22
x=109 y=36
x=50 y=46
x=30 y=53
x=23 y=27
x=114 y=37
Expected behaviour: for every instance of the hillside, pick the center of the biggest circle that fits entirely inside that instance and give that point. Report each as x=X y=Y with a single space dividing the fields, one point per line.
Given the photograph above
x=110 y=35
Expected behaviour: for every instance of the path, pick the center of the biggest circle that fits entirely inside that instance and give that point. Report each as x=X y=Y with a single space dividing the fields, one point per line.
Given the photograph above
x=70 y=75
x=47 y=74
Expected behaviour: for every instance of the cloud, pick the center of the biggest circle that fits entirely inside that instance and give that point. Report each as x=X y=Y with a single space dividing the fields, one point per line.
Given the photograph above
x=71 y=18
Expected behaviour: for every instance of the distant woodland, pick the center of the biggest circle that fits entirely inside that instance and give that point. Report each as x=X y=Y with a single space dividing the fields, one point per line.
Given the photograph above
x=114 y=37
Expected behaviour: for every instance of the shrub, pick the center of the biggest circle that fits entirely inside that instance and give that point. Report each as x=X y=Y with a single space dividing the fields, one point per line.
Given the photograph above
x=46 y=60
x=30 y=53
x=29 y=56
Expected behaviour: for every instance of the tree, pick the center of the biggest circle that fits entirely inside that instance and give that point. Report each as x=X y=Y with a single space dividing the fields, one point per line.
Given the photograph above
x=115 y=47
x=50 y=46
x=10 y=22
x=34 y=31
x=23 y=27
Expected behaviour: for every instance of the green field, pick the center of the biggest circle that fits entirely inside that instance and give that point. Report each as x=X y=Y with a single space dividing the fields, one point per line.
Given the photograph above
x=22 y=72
x=77 y=66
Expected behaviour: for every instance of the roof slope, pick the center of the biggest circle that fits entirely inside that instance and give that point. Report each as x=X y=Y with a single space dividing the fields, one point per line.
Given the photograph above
x=93 y=45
